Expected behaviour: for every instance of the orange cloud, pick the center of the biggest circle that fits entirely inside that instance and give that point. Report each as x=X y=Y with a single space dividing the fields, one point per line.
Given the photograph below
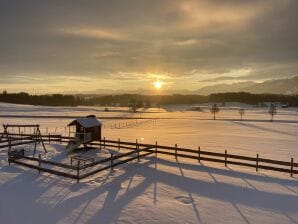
x=97 y=33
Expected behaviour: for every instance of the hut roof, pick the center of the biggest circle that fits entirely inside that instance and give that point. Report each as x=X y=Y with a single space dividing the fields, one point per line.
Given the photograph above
x=86 y=122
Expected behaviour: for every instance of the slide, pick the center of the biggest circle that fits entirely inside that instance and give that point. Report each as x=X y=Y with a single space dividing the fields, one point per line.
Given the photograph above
x=72 y=145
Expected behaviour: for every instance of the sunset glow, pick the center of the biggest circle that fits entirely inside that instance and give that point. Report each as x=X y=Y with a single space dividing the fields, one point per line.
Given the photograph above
x=158 y=84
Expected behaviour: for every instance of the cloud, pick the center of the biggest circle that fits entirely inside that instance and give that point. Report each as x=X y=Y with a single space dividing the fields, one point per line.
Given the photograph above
x=96 y=33
x=186 y=42
x=198 y=41
x=261 y=72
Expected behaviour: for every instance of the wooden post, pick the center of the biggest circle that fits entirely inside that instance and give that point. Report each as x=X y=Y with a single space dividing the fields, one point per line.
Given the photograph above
x=175 y=151
x=292 y=166
x=39 y=162
x=78 y=171
x=68 y=131
x=118 y=144
x=112 y=161
x=9 y=149
x=136 y=144
x=49 y=138
x=199 y=154
x=9 y=143
x=226 y=158
x=138 y=153
x=257 y=163
x=104 y=142
x=155 y=148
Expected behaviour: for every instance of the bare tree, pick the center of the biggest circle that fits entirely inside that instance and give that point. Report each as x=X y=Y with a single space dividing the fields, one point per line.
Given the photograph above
x=241 y=112
x=214 y=110
x=272 y=111
x=133 y=105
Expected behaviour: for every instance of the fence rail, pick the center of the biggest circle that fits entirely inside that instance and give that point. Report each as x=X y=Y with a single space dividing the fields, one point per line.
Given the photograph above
x=140 y=150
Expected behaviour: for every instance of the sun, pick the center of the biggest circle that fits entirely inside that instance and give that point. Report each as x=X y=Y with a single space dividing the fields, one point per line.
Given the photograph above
x=158 y=84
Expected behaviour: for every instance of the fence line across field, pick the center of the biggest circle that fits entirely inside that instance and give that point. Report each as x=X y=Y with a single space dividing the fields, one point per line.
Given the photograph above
x=113 y=125
x=140 y=150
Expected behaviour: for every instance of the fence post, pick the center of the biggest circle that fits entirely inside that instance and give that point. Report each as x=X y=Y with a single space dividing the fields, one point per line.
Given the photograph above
x=136 y=144
x=199 y=154
x=175 y=151
x=9 y=142
x=155 y=148
x=39 y=162
x=104 y=142
x=9 y=149
x=118 y=144
x=49 y=138
x=292 y=166
x=138 y=153
x=257 y=163
x=226 y=158
x=78 y=171
x=112 y=161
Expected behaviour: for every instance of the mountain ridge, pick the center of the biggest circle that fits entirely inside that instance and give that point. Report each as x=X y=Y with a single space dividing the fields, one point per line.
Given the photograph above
x=275 y=86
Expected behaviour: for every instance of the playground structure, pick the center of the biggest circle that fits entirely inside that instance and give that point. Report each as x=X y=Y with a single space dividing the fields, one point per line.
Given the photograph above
x=87 y=130
x=35 y=137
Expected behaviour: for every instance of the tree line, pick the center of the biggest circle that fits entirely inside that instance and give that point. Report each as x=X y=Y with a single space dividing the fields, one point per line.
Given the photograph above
x=44 y=100
x=138 y=100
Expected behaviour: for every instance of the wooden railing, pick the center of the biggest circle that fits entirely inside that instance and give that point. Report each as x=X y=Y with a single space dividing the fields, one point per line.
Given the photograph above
x=77 y=171
x=138 y=150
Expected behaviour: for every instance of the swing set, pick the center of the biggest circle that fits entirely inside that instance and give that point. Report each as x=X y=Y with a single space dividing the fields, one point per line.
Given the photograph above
x=36 y=135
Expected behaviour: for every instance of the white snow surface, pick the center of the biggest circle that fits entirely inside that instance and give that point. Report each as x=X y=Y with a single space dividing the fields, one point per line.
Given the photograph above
x=160 y=190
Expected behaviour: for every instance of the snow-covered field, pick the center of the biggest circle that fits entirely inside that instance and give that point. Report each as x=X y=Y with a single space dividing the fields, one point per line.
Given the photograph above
x=161 y=190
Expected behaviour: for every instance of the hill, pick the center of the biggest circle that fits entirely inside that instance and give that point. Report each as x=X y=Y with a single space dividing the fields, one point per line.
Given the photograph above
x=280 y=86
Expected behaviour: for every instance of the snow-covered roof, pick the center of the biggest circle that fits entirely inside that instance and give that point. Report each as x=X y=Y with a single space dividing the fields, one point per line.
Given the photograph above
x=86 y=122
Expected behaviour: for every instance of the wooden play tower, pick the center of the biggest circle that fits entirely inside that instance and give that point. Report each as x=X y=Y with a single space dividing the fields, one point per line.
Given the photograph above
x=87 y=129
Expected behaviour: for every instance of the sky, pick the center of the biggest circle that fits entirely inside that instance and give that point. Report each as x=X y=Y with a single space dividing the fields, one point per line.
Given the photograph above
x=64 y=46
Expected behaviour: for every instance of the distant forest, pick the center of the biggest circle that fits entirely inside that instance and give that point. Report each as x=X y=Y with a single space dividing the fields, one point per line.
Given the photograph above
x=143 y=100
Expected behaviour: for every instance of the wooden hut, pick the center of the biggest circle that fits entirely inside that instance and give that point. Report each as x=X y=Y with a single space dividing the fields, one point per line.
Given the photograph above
x=87 y=129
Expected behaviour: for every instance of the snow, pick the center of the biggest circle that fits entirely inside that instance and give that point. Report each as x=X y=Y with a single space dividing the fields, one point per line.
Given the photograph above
x=160 y=190
x=86 y=122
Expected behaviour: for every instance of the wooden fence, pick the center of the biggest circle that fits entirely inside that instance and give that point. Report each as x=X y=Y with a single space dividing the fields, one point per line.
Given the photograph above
x=77 y=171
x=137 y=150
x=202 y=155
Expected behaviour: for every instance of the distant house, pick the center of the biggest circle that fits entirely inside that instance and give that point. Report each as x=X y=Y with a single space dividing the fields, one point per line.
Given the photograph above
x=87 y=129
